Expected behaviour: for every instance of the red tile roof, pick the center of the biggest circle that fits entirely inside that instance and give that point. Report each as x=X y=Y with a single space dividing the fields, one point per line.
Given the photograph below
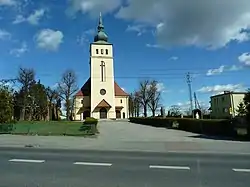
x=86 y=89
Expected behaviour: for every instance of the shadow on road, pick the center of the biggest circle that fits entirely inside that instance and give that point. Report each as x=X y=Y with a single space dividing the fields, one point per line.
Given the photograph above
x=203 y=136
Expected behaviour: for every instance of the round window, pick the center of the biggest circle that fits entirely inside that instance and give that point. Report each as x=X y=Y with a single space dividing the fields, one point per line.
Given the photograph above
x=102 y=91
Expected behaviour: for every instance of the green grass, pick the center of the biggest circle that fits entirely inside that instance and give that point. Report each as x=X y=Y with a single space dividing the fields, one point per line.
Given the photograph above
x=52 y=128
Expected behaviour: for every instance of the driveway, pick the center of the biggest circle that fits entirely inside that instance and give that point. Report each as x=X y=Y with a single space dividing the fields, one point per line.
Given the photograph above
x=123 y=130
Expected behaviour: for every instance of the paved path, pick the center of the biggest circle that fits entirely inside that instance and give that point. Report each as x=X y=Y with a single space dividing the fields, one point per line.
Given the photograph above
x=45 y=168
x=125 y=136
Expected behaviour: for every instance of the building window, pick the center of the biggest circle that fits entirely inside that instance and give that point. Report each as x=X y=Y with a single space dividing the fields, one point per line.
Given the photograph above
x=102 y=51
x=107 y=52
x=97 y=51
x=82 y=101
x=103 y=71
x=121 y=100
x=223 y=99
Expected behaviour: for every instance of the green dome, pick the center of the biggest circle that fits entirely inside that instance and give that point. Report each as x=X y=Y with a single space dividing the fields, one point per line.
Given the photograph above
x=101 y=36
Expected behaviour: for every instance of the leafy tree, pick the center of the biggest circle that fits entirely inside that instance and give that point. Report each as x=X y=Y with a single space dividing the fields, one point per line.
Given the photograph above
x=175 y=110
x=66 y=88
x=241 y=109
x=155 y=96
x=247 y=107
x=6 y=105
x=38 y=102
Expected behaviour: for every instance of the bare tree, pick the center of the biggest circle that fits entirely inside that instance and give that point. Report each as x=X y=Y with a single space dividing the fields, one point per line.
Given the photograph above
x=155 y=96
x=26 y=77
x=134 y=104
x=175 y=110
x=144 y=95
x=52 y=95
x=66 y=88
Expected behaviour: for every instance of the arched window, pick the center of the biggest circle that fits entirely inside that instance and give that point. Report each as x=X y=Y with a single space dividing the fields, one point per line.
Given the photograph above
x=97 y=51
x=107 y=51
x=103 y=71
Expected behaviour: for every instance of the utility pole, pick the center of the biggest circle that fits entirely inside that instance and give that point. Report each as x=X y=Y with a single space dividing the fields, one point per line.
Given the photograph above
x=189 y=81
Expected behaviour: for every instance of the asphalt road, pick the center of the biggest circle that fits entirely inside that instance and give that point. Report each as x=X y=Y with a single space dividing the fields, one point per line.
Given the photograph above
x=39 y=167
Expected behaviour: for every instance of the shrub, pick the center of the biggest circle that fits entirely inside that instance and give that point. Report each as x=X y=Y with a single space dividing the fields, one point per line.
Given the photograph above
x=7 y=127
x=90 y=124
x=90 y=120
x=205 y=126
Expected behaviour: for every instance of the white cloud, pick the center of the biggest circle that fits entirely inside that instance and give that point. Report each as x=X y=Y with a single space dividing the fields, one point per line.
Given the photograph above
x=49 y=39
x=174 y=58
x=84 y=37
x=245 y=59
x=4 y=35
x=215 y=71
x=19 y=19
x=222 y=69
x=192 y=23
x=139 y=29
x=216 y=89
x=33 y=18
x=8 y=2
x=153 y=46
x=36 y=16
x=92 y=7
x=19 y=51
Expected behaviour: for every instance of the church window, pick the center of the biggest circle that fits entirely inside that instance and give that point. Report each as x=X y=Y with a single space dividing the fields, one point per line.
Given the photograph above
x=107 y=52
x=121 y=100
x=103 y=71
x=82 y=101
x=97 y=51
x=102 y=51
x=102 y=91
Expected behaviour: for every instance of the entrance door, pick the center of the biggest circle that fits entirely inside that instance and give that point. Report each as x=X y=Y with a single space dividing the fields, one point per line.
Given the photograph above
x=103 y=113
x=123 y=115
x=86 y=114
x=118 y=114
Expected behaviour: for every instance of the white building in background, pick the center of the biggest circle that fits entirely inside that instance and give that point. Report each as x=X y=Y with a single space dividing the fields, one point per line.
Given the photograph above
x=225 y=105
x=101 y=97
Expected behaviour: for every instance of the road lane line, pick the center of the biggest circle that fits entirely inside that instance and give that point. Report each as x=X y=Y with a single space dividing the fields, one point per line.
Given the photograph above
x=27 y=160
x=241 y=170
x=169 y=167
x=92 y=164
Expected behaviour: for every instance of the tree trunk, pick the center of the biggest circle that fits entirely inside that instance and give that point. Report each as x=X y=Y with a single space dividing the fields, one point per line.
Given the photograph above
x=153 y=112
x=22 y=114
x=145 y=110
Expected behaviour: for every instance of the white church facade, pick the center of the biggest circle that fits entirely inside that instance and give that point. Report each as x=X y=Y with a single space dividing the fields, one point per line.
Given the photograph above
x=101 y=97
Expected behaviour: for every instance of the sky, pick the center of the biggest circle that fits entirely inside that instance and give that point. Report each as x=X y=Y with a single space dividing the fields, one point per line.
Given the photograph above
x=156 y=39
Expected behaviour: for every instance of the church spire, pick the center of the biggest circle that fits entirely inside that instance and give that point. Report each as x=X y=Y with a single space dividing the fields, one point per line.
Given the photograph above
x=101 y=35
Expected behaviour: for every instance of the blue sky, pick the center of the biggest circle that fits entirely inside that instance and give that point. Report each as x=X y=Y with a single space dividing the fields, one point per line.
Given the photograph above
x=159 y=39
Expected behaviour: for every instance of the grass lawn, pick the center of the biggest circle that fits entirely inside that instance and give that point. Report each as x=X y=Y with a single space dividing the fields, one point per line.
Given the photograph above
x=53 y=128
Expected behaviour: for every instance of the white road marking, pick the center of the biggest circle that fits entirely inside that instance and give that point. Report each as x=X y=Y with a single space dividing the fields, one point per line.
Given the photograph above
x=27 y=160
x=93 y=164
x=241 y=170
x=169 y=167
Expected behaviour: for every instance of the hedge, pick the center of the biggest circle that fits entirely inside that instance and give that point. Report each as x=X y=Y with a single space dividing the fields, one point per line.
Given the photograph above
x=201 y=126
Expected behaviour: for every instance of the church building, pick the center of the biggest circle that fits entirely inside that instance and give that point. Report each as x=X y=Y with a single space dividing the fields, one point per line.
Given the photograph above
x=101 y=97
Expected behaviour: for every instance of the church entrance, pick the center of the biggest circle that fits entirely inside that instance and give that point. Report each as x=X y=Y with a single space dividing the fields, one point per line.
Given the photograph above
x=118 y=114
x=86 y=114
x=103 y=113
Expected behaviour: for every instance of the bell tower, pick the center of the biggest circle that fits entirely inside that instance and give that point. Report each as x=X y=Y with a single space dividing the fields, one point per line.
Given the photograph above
x=102 y=75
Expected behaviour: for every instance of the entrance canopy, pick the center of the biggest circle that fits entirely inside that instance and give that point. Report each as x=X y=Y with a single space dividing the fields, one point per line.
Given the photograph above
x=103 y=104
